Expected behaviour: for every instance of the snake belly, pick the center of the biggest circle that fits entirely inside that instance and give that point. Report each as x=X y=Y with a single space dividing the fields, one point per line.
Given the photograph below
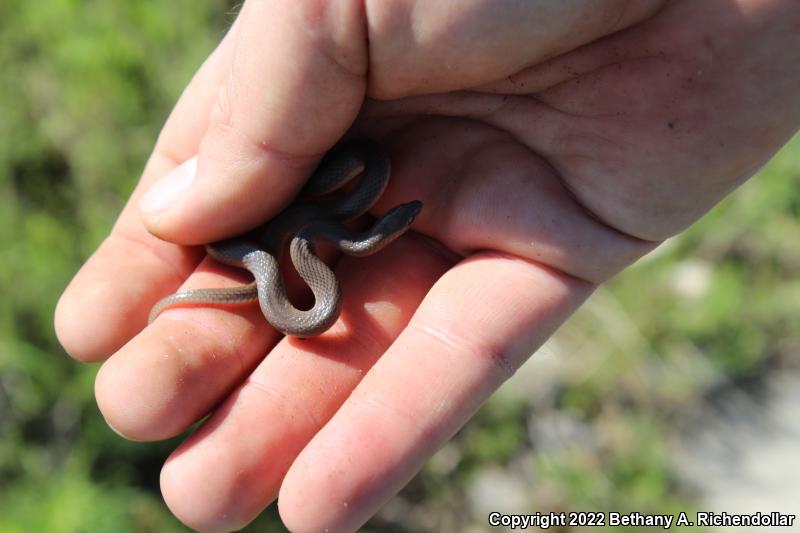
x=301 y=225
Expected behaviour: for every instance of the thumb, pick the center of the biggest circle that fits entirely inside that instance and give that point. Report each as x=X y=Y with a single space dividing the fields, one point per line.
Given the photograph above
x=296 y=82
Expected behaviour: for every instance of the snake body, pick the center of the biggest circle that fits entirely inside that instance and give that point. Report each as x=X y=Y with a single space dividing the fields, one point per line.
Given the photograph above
x=260 y=251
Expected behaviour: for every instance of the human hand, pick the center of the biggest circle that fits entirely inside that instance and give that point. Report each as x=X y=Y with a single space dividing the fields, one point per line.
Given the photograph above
x=537 y=188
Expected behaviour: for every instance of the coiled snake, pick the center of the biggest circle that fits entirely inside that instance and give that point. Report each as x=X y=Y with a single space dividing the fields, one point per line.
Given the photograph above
x=260 y=251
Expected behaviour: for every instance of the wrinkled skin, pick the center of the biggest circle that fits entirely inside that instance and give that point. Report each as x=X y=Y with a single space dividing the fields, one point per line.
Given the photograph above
x=552 y=143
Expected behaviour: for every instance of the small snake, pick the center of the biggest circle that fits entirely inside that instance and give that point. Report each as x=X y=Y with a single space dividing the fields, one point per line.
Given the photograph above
x=306 y=222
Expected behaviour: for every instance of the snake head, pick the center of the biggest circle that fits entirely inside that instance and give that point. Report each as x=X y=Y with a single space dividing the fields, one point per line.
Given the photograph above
x=404 y=212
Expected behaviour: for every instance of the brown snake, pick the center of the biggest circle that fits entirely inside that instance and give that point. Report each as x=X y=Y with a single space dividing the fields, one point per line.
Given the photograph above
x=260 y=251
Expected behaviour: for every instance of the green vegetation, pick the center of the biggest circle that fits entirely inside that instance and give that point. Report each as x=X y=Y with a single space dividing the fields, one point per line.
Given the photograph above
x=84 y=88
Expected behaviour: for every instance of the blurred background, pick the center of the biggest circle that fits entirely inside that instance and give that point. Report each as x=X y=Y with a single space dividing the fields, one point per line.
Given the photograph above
x=674 y=389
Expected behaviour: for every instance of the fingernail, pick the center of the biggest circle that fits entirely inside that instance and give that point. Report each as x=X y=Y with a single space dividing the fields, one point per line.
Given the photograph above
x=121 y=434
x=165 y=191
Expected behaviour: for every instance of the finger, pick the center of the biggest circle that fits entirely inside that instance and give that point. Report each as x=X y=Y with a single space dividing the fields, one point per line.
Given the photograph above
x=295 y=83
x=480 y=41
x=231 y=468
x=131 y=269
x=182 y=365
x=473 y=330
